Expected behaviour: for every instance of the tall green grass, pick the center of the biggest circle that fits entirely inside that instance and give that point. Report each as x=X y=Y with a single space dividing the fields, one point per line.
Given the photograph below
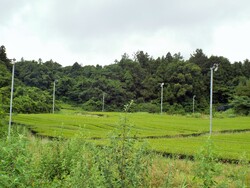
x=123 y=161
x=74 y=162
x=32 y=162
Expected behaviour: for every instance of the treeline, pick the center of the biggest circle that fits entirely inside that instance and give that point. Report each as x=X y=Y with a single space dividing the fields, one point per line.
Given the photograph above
x=137 y=78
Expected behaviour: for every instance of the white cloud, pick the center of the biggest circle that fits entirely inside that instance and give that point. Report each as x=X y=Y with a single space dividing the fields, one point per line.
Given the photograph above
x=100 y=31
x=232 y=40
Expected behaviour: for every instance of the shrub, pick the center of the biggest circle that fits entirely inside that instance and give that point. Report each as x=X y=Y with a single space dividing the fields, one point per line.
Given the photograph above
x=207 y=167
x=175 y=109
x=32 y=100
x=197 y=115
x=2 y=119
x=148 y=107
x=92 y=105
x=76 y=163
x=15 y=163
x=123 y=162
x=241 y=105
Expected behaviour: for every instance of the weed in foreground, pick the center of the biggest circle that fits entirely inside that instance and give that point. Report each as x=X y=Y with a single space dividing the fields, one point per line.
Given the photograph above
x=207 y=166
x=124 y=163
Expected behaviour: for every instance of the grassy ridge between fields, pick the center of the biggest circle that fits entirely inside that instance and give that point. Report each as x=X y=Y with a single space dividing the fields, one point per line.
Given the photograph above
x=162 y=131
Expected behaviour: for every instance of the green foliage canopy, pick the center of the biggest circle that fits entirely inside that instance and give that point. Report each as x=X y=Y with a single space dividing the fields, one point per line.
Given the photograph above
x=137 y=78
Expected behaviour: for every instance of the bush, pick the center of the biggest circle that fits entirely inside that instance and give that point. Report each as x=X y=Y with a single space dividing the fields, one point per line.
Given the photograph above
x=197 y=115
x=207 y=167
x=241 y=105
x=74 y=162
x=148 y=107
x=175 y=109
x=2 y=118
x=123 y=163
x=32 y=100
x=92 y=105
x=15 y=166
x=228 y=113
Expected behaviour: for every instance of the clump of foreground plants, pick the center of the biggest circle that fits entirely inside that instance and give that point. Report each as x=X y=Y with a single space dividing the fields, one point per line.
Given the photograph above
x=124 y=162
x=74 y=162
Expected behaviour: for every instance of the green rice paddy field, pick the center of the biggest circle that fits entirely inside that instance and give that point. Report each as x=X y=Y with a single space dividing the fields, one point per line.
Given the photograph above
x=163 y=133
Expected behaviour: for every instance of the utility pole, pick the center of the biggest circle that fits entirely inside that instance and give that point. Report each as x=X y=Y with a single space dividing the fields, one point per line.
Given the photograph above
x=11 y=94
x=193 y=102
x=54 y=91
x=162 y=84
x=103 y=99
x=215 y=68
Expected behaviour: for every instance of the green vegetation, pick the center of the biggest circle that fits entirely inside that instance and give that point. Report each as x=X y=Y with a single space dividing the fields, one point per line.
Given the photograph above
x=27 y=161
x=137 y=78
x=100 y=150
x=121 y=159
x=207 y=167
x=227 y=146
x=164 y=133
x=97 y=124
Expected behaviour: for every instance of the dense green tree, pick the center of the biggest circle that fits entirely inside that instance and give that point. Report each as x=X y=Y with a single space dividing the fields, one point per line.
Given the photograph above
x=183 y=82
x=200 y=59
x=5 y=75
x=241 y=99
x=144 y=60
x=243 y=89
x=35 y=74
x=246 y=68
x=241 y=105
x=223 y=85
x=3 y=57
x=136 y=78
x=32 y=100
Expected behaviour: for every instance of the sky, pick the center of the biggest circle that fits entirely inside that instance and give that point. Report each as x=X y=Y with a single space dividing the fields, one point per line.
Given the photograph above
x=93 y=32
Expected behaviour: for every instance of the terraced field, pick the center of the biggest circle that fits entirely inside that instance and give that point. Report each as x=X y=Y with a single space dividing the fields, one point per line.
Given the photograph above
x=164 y=133
x=227 y=146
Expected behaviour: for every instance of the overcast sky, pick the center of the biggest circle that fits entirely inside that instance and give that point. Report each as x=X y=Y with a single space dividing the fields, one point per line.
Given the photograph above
x=94 y=32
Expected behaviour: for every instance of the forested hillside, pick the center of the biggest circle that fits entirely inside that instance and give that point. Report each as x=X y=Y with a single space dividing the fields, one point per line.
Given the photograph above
x=135 y=78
